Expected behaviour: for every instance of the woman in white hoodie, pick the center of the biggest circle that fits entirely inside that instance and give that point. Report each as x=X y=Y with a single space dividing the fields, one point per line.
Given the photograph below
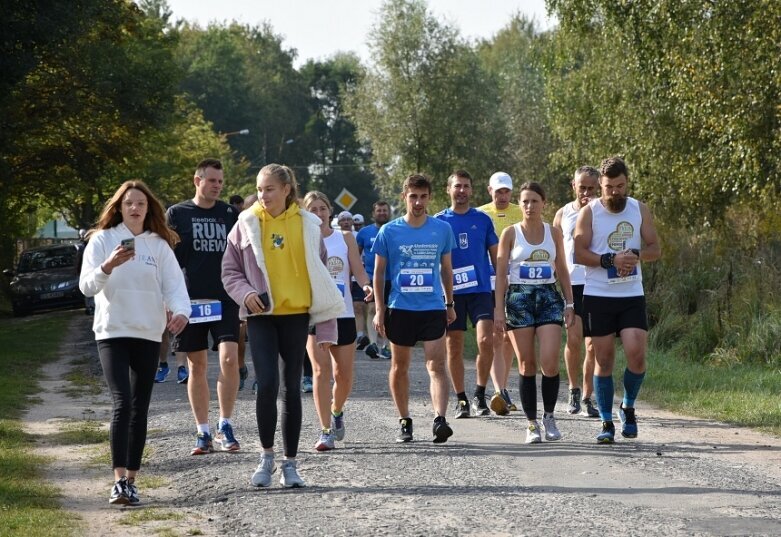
x=139 y=289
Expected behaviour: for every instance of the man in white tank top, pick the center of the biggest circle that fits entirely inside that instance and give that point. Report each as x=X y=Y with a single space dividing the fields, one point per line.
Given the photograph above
x=586 y=187
x=613 y=234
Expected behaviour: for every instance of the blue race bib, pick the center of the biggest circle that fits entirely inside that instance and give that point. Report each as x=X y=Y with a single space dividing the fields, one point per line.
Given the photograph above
x=417 y=280
x=205 y=310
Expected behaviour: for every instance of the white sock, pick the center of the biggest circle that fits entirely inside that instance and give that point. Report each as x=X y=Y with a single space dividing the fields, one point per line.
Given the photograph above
x=360 y=334
x=203 y=428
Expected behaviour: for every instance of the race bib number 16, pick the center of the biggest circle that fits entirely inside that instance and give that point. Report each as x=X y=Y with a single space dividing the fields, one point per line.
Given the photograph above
x=204 y=311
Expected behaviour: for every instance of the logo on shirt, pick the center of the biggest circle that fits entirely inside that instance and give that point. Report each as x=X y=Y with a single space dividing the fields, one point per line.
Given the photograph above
x=277 y=241
x=335 y=266
x=539 y=255
x=463 y=241
x=617 y=240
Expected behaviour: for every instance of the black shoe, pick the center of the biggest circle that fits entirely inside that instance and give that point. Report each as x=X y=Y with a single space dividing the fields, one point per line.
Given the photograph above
x=462 y=409
x=406 y=430
x=132 y=494
x=481 y=407
x=119 y=493
x=372 y=352
x=442 y=430
x=362 y=342
x=608 y=434
x=628 y=421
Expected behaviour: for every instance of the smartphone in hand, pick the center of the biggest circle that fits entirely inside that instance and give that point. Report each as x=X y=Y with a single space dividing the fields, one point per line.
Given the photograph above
x=263 y=297
x=128 y=244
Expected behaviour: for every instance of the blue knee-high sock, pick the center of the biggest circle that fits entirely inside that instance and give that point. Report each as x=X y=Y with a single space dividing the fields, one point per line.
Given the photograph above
x=632 y=383
x=603 y=390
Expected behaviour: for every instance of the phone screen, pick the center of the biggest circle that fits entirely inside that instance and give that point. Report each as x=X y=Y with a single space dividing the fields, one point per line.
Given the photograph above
x=130 y=244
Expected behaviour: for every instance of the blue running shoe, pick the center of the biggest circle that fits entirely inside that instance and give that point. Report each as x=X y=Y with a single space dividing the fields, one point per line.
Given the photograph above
x=182 y=375
x=162 y=372
x=337 y=426
x=608 y=434
x=243 y=374
x=306 y=384
x=203 y=444
x=385 y=353
x=628 y=421
x=225 y=439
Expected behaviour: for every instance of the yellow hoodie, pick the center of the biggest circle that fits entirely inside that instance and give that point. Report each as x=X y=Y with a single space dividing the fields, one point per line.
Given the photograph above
x=283 y=248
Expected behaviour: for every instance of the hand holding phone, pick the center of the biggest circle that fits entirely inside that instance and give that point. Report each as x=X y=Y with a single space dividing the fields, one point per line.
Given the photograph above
x=128 y=244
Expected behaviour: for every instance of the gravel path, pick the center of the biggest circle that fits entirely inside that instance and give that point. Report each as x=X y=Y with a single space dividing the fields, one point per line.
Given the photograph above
x=682 y=476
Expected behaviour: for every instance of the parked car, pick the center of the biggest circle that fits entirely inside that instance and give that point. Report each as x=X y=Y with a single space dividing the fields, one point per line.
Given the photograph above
x=45 y=277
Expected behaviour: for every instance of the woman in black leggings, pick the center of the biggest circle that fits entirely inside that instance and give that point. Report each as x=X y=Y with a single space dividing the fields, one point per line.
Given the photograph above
x=130 y=269
x=274 y=268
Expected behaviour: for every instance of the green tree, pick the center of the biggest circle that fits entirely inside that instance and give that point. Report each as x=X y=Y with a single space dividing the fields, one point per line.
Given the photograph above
x=426 y=105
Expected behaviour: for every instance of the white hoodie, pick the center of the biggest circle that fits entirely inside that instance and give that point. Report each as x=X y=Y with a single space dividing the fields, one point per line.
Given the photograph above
x=132 y=300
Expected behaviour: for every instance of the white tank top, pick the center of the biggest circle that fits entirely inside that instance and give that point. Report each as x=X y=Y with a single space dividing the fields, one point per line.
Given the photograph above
x=532 y=264
x=613 y=233
x=569 y=215
x=339 y=268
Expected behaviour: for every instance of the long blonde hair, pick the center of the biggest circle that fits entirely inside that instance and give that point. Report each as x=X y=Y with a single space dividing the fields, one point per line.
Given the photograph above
x=285 y=176
x=111 y=216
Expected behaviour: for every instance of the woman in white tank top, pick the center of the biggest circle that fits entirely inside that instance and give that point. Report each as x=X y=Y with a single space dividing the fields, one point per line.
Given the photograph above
x=530 y=261
x=344 y=261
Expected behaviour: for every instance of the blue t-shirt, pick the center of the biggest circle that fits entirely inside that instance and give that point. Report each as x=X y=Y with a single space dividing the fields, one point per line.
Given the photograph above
x=414 y=258
x=365 y=239
x=474 y=234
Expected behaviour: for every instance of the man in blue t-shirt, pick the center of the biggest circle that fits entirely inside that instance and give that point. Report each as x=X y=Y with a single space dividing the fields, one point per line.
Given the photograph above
x=381 y=211
x=476 y=240
x=416 y=249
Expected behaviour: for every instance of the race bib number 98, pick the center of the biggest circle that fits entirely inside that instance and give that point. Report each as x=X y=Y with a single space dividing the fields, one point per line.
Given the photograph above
x=417 y=280
x=464 y=278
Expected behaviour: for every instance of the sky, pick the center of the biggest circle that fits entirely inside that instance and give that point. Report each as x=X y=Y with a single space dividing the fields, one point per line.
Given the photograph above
x=319 y=28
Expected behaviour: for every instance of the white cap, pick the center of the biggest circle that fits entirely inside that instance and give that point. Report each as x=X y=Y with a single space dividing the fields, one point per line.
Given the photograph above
x=344 y=215
x=500 y=180
x=358 y=218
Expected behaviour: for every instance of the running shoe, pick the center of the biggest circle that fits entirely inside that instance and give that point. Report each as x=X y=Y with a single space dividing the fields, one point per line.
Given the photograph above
x=337 y=426
x=255 y=387
x=362 y=342
x=262 y=475
x=372 y=351
x=132 y=494
x=162 y=372
x=290 y=478
x=405 y=435
x=442 y=430
x=499 y=405
x=119 y=493
x=225 y=439
x=462 y=409
x=589 y=409
x=608 y=434
x=326 y=441
x=182 y=375
x=203 y=444
x=552 y=432
x=481 y=407
x=243 y=374
x=385 y=353
x=510 y=405
x=533 y=433
x=628 y=421
x=574 y=401
x=306 y=384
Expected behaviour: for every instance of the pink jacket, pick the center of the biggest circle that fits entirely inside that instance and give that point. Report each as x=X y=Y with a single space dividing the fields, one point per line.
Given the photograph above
x=244 y=272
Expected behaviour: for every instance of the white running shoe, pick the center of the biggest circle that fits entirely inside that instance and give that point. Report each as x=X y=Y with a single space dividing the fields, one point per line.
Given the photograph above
x=262 y=475
x=290 y=478
x=551 y=430
x=533 y=433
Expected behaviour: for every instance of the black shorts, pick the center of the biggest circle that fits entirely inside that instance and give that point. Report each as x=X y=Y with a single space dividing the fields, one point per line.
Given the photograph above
x=347 y=333
x=477 y=306
x=356 y=292
x=577 y=298
x=604 y=316
x=195 y=337
x=406 y=327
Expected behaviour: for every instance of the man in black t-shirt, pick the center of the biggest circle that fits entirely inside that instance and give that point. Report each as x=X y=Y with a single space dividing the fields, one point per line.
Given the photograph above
x=203 y=224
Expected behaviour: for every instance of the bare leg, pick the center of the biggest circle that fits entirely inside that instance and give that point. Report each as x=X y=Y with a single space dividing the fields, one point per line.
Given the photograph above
x=485 y=346
x=435 y=363
x=454 y=343
x=198 y=387
x=228 y=380
x=321 y=377
x=398 y=378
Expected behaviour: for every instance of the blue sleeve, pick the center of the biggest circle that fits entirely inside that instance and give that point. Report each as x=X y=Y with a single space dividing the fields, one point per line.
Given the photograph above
x=450 y=241
x=381 y=244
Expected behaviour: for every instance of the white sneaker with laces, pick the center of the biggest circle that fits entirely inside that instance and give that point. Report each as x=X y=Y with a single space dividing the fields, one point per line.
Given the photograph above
x=551 y=430
x=533 y=433
x=262 y=475
x=290 y=478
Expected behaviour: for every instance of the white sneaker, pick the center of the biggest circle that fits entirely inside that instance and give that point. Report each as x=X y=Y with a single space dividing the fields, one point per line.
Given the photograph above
x=290 y=478
x=262 y=475
x=533 y=433
x=551 y=430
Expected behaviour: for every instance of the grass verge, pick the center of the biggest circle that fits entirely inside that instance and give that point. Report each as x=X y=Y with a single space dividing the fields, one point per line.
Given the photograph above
x=28 y=506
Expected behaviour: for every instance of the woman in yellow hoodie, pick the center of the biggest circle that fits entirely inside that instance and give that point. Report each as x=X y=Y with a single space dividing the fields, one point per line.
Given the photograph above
x=274 y=267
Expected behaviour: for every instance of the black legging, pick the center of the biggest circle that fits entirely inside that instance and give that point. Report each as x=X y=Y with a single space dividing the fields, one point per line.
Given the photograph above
x=129 y=366
x=272 y=337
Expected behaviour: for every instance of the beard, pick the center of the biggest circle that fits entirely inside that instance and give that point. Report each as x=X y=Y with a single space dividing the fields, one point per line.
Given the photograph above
x=616 y=204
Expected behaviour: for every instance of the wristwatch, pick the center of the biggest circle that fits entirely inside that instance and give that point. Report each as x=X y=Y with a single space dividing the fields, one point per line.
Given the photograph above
x=450 y=304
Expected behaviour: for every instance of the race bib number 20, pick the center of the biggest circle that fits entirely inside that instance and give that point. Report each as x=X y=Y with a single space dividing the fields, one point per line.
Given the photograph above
x=417 y=280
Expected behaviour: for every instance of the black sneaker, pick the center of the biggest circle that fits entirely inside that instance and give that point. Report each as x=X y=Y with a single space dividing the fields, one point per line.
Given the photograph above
x=574 y=401
x=405 y=435
x=628 y=421
x=362 y=342
x=462 y=409
x=589 y=409
x=132 y=494
x=119 y=493
x=372 y=351
x=481 y=407
x=608 y=434
x=442 y=430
